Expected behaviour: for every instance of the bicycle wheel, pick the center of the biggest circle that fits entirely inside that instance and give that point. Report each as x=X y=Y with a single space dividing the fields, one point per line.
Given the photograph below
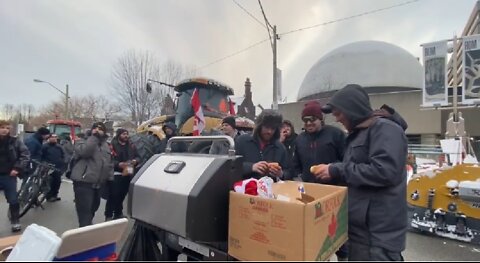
x=28 y=195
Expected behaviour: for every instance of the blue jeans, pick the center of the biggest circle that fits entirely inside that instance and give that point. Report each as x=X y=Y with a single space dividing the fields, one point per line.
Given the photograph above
x=9 y=185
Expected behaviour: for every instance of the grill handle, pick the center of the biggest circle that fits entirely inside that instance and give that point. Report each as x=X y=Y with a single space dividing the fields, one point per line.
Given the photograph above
x=231 y=149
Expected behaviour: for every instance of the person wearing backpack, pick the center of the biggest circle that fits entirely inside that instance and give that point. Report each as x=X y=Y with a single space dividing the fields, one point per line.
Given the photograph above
x=93 y=165
x=14 y=158
x=373 y=169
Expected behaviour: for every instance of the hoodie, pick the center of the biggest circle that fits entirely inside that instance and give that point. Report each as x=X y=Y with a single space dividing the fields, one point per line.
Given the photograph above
x=374 y=170
x=177 y=147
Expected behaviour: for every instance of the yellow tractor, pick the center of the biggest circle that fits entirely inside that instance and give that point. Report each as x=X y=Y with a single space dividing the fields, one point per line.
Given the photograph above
x=445 y=200
x=214 y=97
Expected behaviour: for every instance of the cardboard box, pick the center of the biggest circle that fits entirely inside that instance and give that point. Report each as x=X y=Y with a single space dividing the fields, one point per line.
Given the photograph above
x=309 y=228
x=5 y=243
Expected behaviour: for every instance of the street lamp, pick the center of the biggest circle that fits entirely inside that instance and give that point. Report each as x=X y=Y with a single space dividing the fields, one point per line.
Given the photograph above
x=64 y=93
x=149 y=84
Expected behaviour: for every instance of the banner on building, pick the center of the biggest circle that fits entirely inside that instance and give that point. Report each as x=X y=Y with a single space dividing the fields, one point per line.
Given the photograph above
x=471 y=70
x=435 y=92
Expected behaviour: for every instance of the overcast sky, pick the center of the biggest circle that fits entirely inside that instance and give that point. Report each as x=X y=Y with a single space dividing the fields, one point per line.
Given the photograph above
x=77 y=42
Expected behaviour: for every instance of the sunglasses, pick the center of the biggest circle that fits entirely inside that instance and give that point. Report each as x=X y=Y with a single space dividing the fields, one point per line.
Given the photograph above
x=309 y=119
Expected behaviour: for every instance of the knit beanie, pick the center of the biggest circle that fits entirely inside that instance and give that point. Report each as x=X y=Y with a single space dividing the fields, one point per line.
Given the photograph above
x=230 y=120
x=43 y=131
x=313 y=108
x=120 y=131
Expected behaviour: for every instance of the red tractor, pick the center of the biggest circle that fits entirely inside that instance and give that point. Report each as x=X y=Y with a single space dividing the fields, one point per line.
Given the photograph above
x=60 y=127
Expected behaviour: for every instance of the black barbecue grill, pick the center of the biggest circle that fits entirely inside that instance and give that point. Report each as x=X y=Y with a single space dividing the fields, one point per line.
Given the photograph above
x=185 y=197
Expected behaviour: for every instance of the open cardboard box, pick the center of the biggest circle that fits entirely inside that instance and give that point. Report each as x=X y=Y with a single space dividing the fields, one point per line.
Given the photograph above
x=6 y=245
x=310 y=226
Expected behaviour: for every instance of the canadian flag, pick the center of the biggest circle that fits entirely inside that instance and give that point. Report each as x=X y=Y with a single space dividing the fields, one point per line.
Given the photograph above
x=231 y=106
x=199 y=119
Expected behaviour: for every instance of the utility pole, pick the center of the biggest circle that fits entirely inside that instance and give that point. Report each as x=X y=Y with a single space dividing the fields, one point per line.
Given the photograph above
x=275 y=84
x=67 y=115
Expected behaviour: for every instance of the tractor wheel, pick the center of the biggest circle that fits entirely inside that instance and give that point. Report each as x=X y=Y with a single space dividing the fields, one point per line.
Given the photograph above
x=200 y=147
x=147 y=145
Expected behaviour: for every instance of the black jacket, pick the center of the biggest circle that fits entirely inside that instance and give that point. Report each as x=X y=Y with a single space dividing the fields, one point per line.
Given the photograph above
x=34 y=144
x=14 y=155
x=374 y=170
x=248 y=145
x=322 y=147
x=123 y=153
x=54 y=154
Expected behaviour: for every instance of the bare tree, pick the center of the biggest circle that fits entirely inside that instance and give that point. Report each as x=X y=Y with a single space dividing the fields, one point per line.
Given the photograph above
x=8 y=111
x=130 y=75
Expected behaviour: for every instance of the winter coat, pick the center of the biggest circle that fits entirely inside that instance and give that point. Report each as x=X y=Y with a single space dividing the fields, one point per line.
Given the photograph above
x=322 y=147
x=123 y=153
x=177 y=147
x=15 y=156
x=67 y=149
x=93 y=161
x=34 y=144
x=248 y=145
x=53 y=153
x=374 y=170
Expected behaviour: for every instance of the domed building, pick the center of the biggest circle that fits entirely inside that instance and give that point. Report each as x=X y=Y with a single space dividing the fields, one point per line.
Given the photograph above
x=377 y=66
x=390 y=75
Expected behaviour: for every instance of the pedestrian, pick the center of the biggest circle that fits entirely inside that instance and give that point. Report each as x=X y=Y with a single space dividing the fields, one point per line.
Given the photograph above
x=125 y=159
x=34 y=143
x=93 y=165
x=288 y=137
x=14 y=158
x=374 y=170
x=263 y=153
x=229 y=128
x=170 y=130
x=318 y=144
x=53 y=153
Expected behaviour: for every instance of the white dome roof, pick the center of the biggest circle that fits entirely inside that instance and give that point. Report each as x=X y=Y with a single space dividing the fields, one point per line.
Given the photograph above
x=367 y=63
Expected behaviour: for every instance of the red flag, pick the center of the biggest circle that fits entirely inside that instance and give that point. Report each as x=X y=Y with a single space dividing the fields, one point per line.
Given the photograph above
x=199 y=119
x=232 y=106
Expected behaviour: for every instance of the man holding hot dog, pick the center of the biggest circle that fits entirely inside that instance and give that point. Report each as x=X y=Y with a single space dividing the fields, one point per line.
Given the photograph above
x=263 y=153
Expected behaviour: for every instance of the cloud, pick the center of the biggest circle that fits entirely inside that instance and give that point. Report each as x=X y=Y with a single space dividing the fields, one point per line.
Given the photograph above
x=78 y=42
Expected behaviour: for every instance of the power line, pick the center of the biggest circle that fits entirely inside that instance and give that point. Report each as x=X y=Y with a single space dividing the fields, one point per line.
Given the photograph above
x=268 y=26
x=233 y=54
x=252 y=16
x=305 y=28
x=350 y=17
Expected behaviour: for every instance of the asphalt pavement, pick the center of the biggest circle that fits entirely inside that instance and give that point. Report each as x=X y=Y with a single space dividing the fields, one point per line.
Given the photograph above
x=61 y=216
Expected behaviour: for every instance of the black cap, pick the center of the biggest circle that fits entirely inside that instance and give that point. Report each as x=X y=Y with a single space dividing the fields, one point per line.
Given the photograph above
x=99 y=125
x=327 y=109
x=230 y=120
x=43 y=131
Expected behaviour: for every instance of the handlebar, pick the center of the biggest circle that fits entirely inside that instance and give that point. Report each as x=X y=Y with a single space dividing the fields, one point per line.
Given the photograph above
x=231 y=142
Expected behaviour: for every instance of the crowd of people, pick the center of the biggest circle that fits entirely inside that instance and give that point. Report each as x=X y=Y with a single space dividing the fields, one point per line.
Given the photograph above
x=369 y=158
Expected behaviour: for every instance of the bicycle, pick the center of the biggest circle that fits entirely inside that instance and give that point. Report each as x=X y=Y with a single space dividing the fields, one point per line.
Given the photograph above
x=34 y=190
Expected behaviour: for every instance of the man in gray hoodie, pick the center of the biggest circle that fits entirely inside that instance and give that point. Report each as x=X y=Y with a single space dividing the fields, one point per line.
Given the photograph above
x=93 y=166
x=374 y=170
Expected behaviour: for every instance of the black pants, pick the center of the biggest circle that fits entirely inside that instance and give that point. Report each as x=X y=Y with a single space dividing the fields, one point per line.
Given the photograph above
x=361 y=252
x=118 y=190
x=55 y=182
x=87 y=201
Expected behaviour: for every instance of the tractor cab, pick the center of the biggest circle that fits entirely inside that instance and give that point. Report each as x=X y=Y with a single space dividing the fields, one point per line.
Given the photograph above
x=60 y=127
x=213 y=97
